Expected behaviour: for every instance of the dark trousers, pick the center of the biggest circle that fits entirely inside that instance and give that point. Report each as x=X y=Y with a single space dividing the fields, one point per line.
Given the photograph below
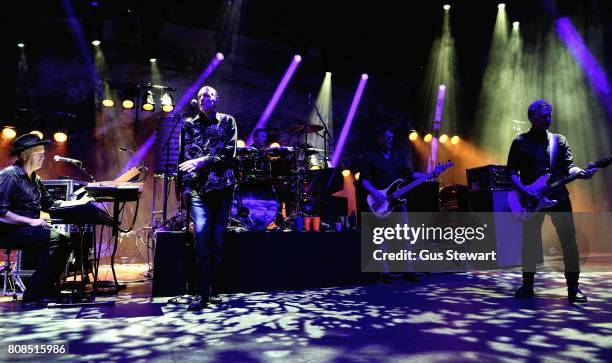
x=210 y=213
x=53 y=248
x=562 y=219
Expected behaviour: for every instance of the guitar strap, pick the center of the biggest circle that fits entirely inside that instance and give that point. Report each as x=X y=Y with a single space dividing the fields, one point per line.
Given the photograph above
x=552 y=149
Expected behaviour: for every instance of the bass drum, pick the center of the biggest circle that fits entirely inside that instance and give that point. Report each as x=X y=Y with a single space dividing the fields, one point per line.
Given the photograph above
x=255 y=204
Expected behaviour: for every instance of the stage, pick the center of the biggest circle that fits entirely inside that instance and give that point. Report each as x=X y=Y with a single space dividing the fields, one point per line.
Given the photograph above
x=445 y=317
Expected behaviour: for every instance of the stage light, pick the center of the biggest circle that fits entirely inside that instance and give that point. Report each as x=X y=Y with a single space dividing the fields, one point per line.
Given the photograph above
x=220 y=56
x=413 y=136
x=443 y=138
x=108 y=102
x=96 y=43
x=60 y=137
x=501 y=6
x=148 y=103
x=455 y=140
x=8 y=132
x=327 y=74
x=357 y=175
x=315 y=167
x=446 y=7
x=167 y=102
x=346 y=173
x=152 y=60
x=240 y=143
x=428 y=137
x=365 y=76
x=274 y=144
x=297 y=58
x=515 y=25
x=127 y=104
x=37 y=133
x=20 y=45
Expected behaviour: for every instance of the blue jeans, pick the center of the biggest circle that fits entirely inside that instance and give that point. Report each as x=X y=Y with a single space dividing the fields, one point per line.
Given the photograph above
x=210 y=214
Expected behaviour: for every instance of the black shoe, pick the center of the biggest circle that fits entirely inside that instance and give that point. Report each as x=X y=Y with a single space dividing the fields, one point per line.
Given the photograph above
x=523 y=292
x=575 y=295
x=180 y=300
x=384 y=278
x=198 y=303
x=410 y=277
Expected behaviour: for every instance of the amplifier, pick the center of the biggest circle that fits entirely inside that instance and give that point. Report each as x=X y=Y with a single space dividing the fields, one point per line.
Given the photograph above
x=488 y=177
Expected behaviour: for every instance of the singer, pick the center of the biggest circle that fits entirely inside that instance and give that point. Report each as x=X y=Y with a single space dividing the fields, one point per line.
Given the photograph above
x=207 y=150
x=22 y=197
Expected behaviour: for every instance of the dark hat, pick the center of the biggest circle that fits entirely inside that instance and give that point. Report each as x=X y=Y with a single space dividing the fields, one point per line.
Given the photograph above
x=27 y=141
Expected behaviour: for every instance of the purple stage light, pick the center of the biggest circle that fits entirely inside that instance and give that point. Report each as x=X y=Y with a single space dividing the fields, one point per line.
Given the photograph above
x=82 y=43
x=349 y=120
x=583 y=56
x=195 y=86
x=139 y=154
x=433 y=156
x=280 y=89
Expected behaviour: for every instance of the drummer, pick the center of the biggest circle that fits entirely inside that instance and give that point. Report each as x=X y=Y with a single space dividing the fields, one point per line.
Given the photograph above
x=260 y=139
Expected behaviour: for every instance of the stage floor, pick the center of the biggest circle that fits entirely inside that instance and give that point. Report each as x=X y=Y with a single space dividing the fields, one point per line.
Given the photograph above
x=445 y=317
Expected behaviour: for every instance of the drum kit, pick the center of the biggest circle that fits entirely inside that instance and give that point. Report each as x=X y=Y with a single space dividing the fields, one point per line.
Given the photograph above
x=272 y=181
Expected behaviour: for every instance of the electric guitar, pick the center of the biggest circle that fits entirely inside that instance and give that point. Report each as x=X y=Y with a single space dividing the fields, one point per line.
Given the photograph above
x=525 y=206
x=384 y=207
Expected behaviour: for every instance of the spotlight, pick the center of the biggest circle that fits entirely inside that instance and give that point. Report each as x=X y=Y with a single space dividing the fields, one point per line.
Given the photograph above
x=364 y=76
x=274 y=144
x=60 y=137
x=167 y=102
x=428 y=137
x=20 y=45
x=107 y=102
x=127 y=104
x=37 y=133
x=455 y=140
x=516 y=24
x=152 y=60
x=501 y=6
x=148 y=103
x=240 y=143
x=413 y=136
x=220 y=56
x=315 y=167
x=446 y=7
x=297 y=58
x=346 y=173
x=95 y=42
x=443 y=138
x=8 y=132
x=357 y=175
x=328 y=74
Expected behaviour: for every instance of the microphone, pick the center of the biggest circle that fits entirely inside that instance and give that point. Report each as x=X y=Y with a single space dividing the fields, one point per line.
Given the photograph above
x=126 y=149
x=68 y=160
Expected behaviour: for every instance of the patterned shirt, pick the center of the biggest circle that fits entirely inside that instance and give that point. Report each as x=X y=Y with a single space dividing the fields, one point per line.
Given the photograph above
x=21 y=195
x=216 y=142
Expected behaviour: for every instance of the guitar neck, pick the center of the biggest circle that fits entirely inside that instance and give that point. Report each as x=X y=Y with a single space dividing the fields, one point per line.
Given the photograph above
x=560 y=183
x=407 y=188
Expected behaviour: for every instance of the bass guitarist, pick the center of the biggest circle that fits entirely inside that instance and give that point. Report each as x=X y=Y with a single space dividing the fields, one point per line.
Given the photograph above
x=382 y=166
x=533 y=154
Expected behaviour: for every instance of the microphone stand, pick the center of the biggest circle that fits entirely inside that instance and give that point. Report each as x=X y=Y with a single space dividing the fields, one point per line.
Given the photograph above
x=167 y=171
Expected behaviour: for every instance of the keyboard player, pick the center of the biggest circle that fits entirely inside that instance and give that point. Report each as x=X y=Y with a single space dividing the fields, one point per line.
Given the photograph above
x=22 y=198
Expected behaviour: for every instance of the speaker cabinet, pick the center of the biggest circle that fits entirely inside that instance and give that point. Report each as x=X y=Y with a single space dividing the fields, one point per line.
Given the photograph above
x=174 y=269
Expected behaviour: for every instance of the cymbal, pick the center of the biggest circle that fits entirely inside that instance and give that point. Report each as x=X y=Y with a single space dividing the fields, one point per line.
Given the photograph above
x=305 y=129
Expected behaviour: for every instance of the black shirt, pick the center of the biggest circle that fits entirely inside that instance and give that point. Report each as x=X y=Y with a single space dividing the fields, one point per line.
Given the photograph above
x=22 y=195
x=216 y=141
x=529 y=157
x=381 y=172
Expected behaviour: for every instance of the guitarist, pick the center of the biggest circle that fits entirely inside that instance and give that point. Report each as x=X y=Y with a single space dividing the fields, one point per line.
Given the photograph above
x=380 y=168
x=208 y=147
x=532 y=155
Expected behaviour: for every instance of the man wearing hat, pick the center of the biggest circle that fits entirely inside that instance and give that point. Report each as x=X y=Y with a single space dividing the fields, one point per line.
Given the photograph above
x=22 y=197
